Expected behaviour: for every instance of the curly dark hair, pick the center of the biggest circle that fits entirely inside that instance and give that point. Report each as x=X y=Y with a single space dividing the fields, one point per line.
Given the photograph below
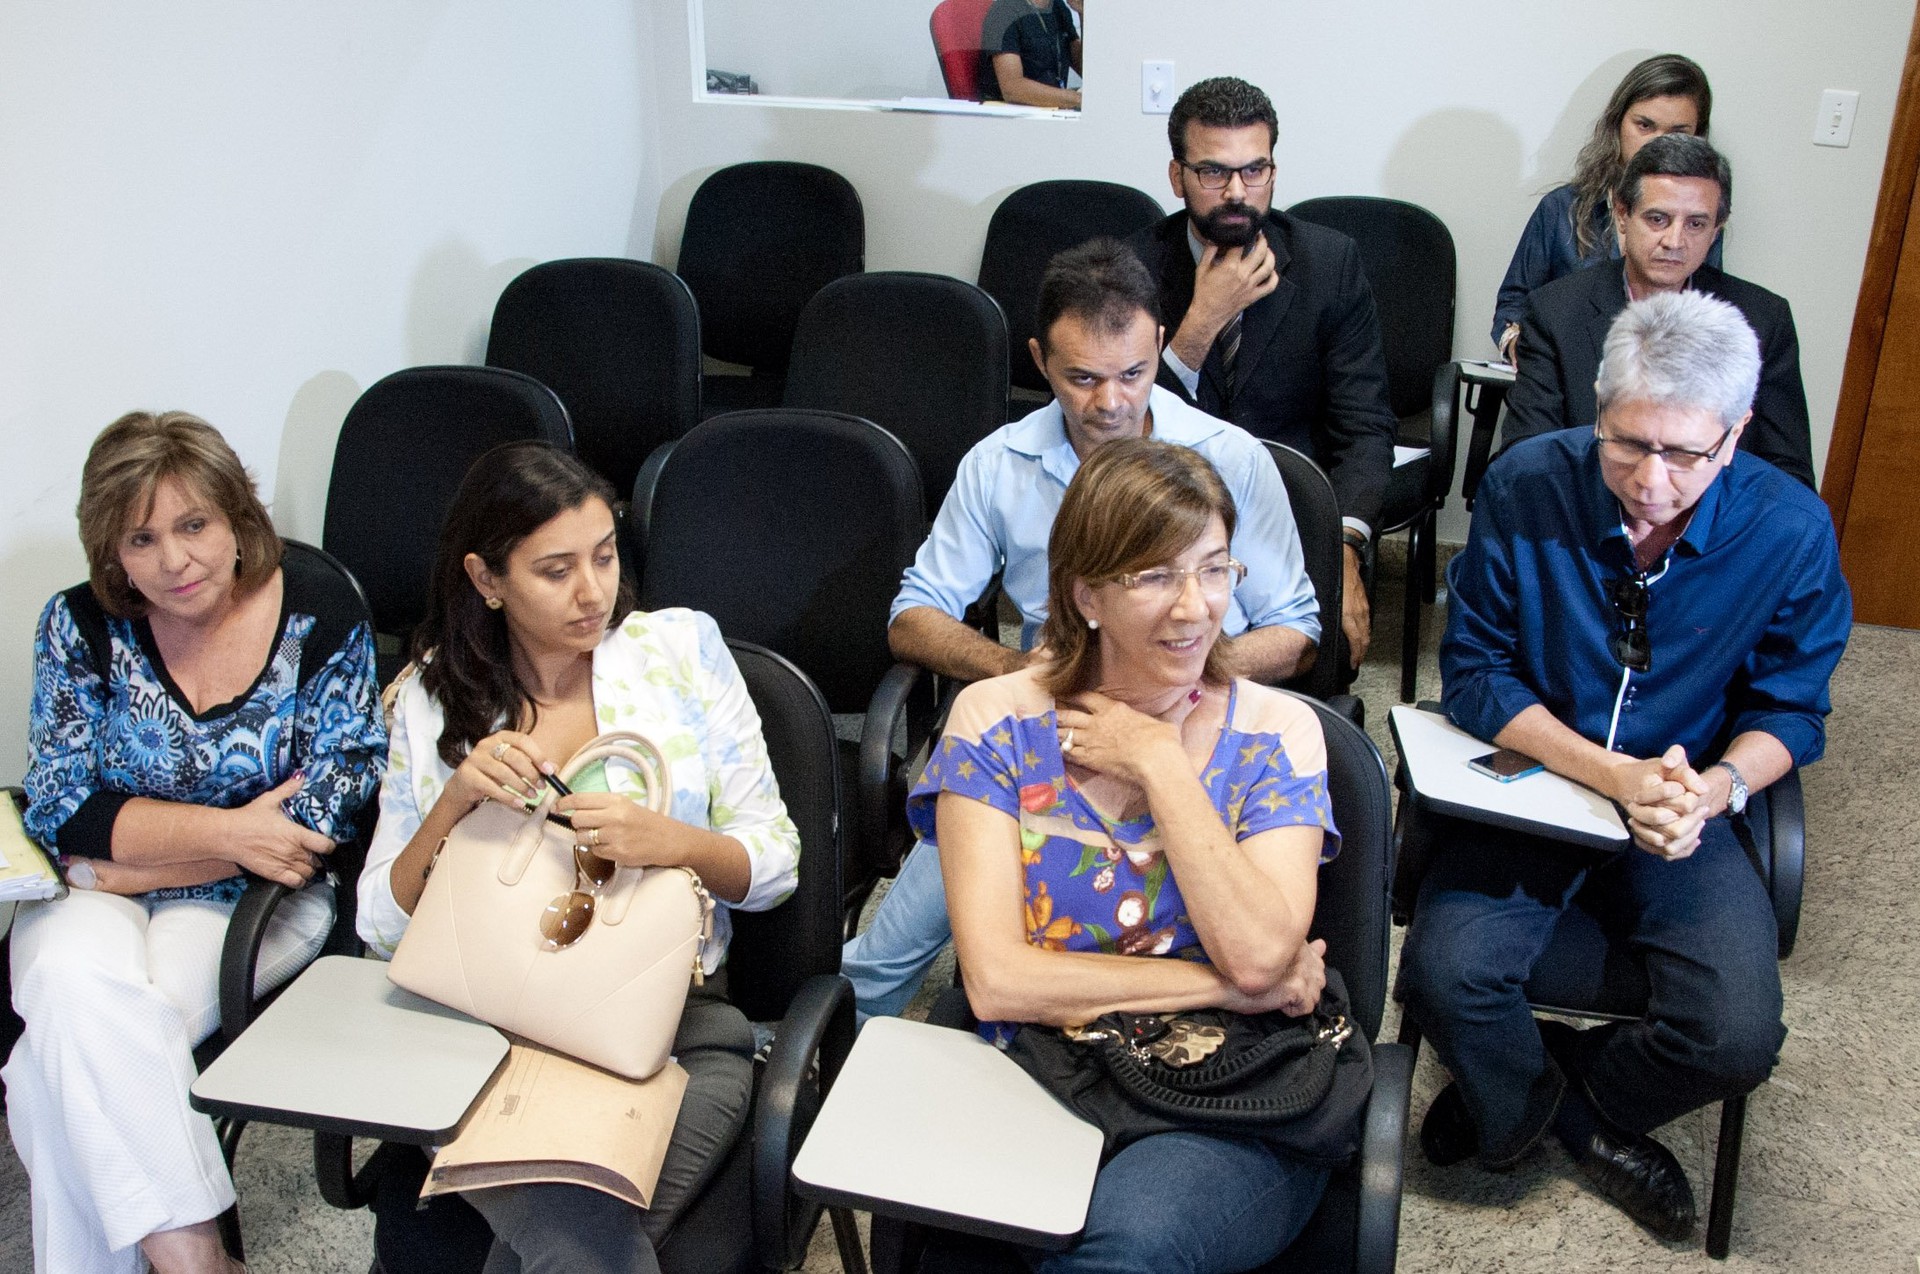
x=462 y=647
x=1221 y=102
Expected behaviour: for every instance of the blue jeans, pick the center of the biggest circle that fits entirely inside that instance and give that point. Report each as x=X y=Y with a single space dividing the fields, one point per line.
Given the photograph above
x=887 y=962
x=1185 y=1201
x=1702 y=927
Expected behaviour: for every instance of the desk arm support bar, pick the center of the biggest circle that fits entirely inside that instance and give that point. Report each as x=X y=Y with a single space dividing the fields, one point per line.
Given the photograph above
x=240 y=953
x=1382 y=1160
x=333 y=1172
x=818 y=1030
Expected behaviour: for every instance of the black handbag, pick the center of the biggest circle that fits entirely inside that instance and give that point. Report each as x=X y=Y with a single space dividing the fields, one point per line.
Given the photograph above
x=1299 y=1084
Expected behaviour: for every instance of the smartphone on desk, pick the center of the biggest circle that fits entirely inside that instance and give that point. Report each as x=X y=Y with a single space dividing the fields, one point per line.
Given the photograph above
x=1505 y=765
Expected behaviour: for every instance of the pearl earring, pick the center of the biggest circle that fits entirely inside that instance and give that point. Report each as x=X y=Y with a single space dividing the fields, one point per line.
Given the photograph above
x=1094 y=624
x=494 y=603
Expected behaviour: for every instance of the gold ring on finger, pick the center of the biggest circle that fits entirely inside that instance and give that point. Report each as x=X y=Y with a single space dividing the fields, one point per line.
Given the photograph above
x=593 y=838
x=500 y=750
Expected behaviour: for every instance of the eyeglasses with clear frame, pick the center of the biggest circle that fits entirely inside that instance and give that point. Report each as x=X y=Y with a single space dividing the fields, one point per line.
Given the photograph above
x=1165 y=583
x=1630 y=452
x=1253 y=176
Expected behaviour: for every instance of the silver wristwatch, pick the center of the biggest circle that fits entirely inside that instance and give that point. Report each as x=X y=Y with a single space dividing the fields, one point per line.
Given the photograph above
x=1737 y=793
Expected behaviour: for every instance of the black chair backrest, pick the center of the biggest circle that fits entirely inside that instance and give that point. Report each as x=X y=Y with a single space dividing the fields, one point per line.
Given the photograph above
x=760 y=240
x=792 y=529
x=402 y=451
x=1034 y=224
x=923 y=356
x=1316 y=513
x=1408 y=258
x=618 y=341
x=774 y=951
x=1352 y=912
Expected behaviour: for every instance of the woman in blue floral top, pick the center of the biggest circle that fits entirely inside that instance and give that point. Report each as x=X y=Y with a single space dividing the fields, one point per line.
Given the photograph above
x=200 y=710
x=1131 y=827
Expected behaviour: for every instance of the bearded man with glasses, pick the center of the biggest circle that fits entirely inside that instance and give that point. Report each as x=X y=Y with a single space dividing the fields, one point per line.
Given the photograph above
x=1653 y=613
x=1272 y=323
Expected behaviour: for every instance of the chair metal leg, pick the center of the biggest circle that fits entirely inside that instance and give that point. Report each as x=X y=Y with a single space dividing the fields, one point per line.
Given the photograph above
x=229 y=1222
x=846 y=1233
x=1410 y=616
x=1726 y=1176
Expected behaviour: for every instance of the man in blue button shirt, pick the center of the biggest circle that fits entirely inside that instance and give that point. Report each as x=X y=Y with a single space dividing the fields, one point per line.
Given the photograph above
x=1099 y=347
x=1653 y=613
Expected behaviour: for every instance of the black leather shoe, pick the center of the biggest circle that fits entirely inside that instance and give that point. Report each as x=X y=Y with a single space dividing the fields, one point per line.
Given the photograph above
x=1639 y=1176
x=1447 y=1134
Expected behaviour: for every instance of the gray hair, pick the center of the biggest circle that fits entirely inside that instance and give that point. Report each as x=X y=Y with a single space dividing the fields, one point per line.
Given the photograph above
x=1682 y=349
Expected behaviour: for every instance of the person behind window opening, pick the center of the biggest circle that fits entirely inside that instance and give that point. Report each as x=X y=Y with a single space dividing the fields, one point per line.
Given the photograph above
x=1130 y=826
x=531 y=646
x=1026 y=49
x=1572 y=226
x=203 y=707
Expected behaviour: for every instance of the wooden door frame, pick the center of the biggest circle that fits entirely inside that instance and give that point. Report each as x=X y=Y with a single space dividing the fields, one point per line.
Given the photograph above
x=1890 y=216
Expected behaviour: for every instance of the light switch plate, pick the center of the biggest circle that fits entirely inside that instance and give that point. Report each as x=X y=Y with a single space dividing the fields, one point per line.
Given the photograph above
x=1156 y=88
x=1833 y=126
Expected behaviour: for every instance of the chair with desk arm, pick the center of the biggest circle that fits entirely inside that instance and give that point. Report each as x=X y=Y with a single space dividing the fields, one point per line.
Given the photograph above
x=782 y=968
x=956 y=27
x=1589 y=971
x=1356 y=1227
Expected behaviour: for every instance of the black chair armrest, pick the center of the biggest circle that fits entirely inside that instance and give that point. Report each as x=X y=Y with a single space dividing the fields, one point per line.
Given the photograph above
x=1487 y=391
x=333 y=1172
x=817 y=1031
x=898 y=698
x=1786 y=853
x=240 y=954
x=1350 y=707
x=640 y=512
x=1383 y=1160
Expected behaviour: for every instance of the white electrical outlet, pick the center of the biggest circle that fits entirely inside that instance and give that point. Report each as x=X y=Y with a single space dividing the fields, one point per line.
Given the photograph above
x=1833 y=126
x=1156 y=88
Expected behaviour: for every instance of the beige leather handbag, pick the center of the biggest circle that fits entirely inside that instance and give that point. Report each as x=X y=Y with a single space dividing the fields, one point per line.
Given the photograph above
x=614 y=996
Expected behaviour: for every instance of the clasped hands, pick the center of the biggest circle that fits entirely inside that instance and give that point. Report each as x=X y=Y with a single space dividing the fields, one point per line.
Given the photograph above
x=512 y=768
x=1667 y=803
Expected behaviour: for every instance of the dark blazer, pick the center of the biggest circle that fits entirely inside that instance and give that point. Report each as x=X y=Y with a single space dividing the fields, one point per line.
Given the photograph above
x=1311 y=373
x=1566 y=325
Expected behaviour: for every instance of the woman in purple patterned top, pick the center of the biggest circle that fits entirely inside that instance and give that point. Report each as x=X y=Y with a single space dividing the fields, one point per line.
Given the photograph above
x=1130 y=827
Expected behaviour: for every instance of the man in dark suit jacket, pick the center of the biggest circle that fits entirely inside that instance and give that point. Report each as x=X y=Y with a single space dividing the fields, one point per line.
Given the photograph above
x=1273 y=324
x=1672 y=201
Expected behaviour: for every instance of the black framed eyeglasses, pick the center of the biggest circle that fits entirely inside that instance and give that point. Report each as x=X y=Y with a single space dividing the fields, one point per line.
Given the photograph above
x=1253 y=176
x=1629 y=451
x=1630 y=644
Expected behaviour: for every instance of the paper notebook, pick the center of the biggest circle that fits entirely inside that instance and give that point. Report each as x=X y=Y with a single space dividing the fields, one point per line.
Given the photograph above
x=26 y=873
x=1435 y=753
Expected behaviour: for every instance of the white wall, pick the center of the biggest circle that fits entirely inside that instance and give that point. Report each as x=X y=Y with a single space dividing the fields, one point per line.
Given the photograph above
x=253 y=211
x=1470 y=109
x=825 y=48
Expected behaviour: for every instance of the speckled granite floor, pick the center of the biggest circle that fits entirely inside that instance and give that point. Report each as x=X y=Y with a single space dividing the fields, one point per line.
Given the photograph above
x=1831 y=1172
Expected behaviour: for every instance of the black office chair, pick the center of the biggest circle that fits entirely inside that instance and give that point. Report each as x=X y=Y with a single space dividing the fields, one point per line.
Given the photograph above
x=760 y=239
x=1408 y=257
x=1031 y=226
x=782 y=967
x=1316 y=515
x=618 y=341
x=1589 y=971
x=402 y=451
x=1357 y=1226
x=247 y=925
x=792 y=529
x=923 y=356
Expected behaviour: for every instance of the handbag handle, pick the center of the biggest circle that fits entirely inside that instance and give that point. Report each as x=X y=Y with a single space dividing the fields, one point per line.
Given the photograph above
x=648 y=762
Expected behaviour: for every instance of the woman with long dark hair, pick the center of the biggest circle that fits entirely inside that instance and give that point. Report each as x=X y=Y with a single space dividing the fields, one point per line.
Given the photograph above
x=1572 y=226
x=531 y=647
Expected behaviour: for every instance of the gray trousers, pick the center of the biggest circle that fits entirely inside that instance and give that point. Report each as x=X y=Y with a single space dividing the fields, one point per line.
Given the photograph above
x=568 y=1229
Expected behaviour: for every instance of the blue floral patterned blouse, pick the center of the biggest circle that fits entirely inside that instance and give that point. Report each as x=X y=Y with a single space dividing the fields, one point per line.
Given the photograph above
x=1094 y=883
x=96 y=743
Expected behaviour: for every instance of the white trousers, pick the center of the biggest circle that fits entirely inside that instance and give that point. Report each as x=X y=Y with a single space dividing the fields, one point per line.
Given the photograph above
x=115 y=992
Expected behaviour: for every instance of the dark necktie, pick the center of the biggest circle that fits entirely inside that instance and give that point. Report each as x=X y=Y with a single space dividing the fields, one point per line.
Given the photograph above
x=1229 y=342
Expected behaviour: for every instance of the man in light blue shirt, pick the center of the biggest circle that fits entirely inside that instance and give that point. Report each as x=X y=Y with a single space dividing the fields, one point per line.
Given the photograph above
x=1099 y=348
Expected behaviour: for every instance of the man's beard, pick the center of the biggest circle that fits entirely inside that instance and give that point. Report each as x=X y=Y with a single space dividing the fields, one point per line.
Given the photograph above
x=1217 y=227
